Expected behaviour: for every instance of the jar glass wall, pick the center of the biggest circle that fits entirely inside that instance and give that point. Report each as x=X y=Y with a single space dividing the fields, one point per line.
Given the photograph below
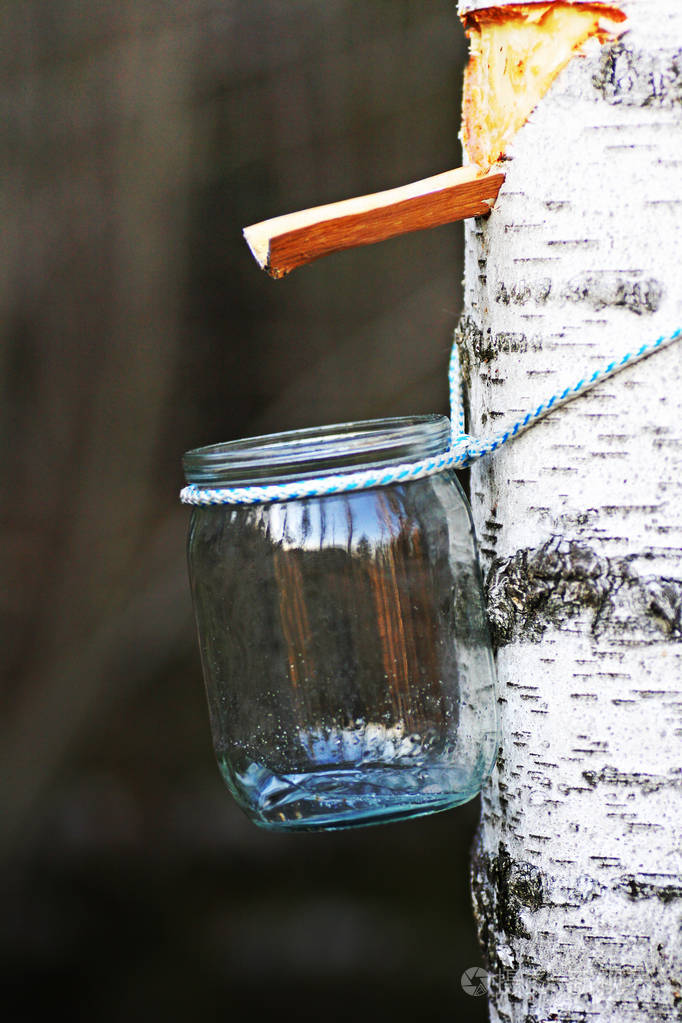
x=343 y=638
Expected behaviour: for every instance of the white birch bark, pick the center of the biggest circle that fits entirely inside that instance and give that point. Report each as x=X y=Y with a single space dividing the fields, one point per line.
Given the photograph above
x=577 y=874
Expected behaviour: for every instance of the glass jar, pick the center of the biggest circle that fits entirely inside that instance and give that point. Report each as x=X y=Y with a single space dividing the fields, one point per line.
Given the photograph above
x=343 y=638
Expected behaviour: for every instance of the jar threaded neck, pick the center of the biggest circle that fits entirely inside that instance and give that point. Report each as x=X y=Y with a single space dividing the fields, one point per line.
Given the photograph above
x=318 y=451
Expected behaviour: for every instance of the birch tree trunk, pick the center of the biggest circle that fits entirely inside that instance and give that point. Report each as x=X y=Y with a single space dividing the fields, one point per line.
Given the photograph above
x=577 y=877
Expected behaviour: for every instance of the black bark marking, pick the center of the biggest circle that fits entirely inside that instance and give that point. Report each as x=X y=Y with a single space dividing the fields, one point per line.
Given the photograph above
x=613 y=290
x=537 y=291
x=476 y=342
x=478 y=347
x=466 y=333
x=597 y=290
x=646 y=783
x=510 y=343
x=636 y=78
x=536 y=589
x=502 y=888
x=636 y=889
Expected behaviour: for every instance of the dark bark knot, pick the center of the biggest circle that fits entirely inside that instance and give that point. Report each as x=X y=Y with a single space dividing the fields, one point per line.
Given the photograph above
x=543 y=588
x=503 y=888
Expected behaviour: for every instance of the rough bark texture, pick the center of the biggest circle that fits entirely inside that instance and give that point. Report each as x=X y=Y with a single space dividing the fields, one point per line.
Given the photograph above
x=577 y=874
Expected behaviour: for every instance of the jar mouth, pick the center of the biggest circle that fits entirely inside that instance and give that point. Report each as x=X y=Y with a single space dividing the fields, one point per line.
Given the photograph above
x=317 y=451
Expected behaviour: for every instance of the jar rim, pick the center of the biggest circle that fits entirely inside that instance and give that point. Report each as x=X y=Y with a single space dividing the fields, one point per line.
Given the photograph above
x=317 y=451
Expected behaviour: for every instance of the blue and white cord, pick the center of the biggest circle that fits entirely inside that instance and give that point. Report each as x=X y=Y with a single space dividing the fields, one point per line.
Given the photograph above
x=463 y=450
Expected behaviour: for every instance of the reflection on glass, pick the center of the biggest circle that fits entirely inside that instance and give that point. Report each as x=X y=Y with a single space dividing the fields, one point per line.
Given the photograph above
x=345 y=653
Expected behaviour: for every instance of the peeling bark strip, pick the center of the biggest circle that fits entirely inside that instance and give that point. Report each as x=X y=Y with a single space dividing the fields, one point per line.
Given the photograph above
x=577 y=874
x=535 y=590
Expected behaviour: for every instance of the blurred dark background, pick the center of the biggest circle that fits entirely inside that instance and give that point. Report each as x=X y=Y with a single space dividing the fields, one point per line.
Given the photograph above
x=138 y=138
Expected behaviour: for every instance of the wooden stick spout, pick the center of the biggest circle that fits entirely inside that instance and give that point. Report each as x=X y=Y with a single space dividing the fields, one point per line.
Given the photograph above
x=283 y=243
